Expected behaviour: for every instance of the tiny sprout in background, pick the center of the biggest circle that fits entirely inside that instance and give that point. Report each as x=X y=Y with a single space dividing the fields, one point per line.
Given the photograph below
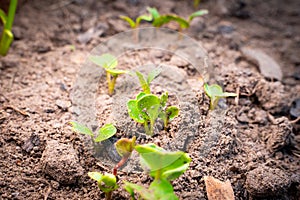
x=106 y=183
x=105 y=132
x=215 y=93
x=145 y=82
x=159 y=20
x=109 y=63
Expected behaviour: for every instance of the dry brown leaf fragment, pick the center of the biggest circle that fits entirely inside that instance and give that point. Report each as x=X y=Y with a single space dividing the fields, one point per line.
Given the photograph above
x=218 y=190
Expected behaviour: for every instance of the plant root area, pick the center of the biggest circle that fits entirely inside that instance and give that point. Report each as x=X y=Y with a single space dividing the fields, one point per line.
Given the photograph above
x=253 y=140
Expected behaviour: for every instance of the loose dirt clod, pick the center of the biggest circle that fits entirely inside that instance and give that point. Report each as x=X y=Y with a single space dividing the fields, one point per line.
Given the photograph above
x=267 y=182
x=60 y=161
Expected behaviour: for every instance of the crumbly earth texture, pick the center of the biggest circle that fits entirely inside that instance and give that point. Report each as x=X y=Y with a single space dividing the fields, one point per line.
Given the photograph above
x=251 y=141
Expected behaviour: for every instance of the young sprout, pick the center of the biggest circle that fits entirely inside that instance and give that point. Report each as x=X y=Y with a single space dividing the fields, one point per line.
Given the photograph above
x=7 y=20
x=145 y=82
x=215 y=93
x=109 y=63
x=146 y=108
x=105 y=132
x=167 y=113
x=106 y=183
x=163 y=166
x=136 y=23
x=124 y=147
x=159 y=20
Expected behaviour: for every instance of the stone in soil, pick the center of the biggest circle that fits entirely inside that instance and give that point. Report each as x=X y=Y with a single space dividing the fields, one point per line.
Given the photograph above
x=60 y=161
x=267 y=182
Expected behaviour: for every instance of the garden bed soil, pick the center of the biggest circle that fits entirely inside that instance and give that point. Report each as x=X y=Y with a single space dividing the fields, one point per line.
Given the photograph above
x=252 y=141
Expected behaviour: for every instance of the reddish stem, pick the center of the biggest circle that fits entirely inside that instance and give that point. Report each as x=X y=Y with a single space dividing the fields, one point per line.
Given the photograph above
x=120 y=164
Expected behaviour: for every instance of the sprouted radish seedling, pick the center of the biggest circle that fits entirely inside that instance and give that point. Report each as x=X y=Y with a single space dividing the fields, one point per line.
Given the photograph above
x=106 y=183
x=163 y=166
x=135 y=24
x=159 y=20
x=215 y=93
x=109 y=63
x=105 y=132
x=145 y=82
x=167 y=113
x=7 y=20
x=146 y=108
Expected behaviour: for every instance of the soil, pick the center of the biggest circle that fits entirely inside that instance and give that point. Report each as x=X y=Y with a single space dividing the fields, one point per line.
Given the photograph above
x=253 y=141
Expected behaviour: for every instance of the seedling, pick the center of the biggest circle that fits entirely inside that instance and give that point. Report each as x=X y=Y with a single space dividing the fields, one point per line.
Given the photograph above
x=159 y=20
x=109 y=63
x=146 y=108
x=106 y=182
x=105 y=132
x=145 y=82
x=136 y=23
x=124 y=147
x=7 y=20
x=167 y=113
x=215 y=93
x=163 y=166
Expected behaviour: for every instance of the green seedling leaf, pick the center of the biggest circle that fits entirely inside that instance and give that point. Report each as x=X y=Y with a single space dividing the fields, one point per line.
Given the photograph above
x=154 y=12
x=105 y=132
x=116 y=72
x=197 y=14
x=172 y=112
x=106 y=183
x=149 y=106
x=125 y=146
x=196 y=3
x=153 y=74
x=134 y=112
x=3 y=16
x=129 y=20
x=143 y=192
x=143 y=82
x=107 y=61
x=164 y=99
x=169 y=165
x=143 y=17
x=81 y=129
x=95 y=176
x=215 y=92
x=163 y=189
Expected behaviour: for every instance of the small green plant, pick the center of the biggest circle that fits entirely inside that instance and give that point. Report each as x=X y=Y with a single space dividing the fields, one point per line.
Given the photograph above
x=109 y=63
x=215 y=93
x=7 y=20
x=167 y=113
x=159 y=20
x=105 y=132
x=106 y=183
x=136 y=23
x=145 y=82
x=146 y=108
x=163 y=166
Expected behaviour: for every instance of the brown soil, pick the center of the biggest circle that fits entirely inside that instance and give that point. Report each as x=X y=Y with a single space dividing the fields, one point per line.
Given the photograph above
x=254 y=144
